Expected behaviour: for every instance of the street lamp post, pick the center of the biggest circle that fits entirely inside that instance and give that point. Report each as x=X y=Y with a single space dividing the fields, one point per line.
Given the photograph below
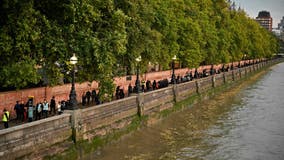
x=72 y=95
x=137 y=83
x=173 y=68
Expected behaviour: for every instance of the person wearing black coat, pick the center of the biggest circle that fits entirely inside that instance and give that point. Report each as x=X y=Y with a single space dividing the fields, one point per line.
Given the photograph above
x=88 y=96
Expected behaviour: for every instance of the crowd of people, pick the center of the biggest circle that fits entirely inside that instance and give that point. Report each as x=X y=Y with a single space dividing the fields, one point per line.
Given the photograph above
x=29 y=112
x=189 y=76
x=90 y=98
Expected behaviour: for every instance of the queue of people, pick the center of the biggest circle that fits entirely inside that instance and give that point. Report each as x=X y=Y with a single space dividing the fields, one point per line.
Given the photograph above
x=44 y=109
x=90 y=98
x=30 y=112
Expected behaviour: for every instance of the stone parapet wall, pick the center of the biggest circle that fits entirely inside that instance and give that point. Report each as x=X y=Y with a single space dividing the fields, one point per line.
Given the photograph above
x=204 y=84
x=106 y=114
x=219 y=80
x=184 y=90
x=27 y=138
x=158 y=100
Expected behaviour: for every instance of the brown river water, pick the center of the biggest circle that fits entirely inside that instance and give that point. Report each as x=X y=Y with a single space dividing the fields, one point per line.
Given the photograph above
x=244 y=123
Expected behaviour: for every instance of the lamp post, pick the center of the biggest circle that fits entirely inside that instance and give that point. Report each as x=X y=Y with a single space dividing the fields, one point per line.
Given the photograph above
x=72 y=95
x=173 y=68
x=137 y=83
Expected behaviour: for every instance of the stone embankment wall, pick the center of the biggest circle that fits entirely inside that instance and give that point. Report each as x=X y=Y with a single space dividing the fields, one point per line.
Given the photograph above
x=102 y=119
x=31 y=137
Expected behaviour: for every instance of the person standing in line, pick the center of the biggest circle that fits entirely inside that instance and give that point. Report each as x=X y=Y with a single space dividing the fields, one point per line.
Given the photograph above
x=59 y=111
x=154 y=85
x=38 y=111
x=88 y=96
x=143 y=85
x=5 y=118
x=22 y=111
x=130 y=89
x=97 y=99
x=196 y=74
x=17 y=109
x=30 y=108
x=25 y=106
x=190 y=76
x=148 y=85
x=94 y=94
x=121 y=94
x=45 y=108
x=83 y=99
x=117 y=92
x=30 y=113
x=52 y=105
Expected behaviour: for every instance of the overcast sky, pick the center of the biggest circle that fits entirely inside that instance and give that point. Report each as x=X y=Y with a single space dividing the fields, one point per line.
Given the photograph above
x=252 y=7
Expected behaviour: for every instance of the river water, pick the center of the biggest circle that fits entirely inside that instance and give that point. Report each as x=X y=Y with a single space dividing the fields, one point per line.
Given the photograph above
x=244 y=123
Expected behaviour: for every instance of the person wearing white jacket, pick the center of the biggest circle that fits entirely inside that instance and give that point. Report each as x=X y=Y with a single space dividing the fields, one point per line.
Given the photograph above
x=45 y=108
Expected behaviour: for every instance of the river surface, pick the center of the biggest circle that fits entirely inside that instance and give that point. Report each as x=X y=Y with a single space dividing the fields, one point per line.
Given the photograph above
x=244 y=123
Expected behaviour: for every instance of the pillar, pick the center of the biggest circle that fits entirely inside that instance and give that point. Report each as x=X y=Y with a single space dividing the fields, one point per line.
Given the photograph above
x=224 y=77
x=197 y=83
x=140 y=104
x=213 y=81
x=76 y=124
x=175 y=92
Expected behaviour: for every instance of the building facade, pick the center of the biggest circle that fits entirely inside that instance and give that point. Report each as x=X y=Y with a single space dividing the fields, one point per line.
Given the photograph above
x=265 y=20
x=281 y=28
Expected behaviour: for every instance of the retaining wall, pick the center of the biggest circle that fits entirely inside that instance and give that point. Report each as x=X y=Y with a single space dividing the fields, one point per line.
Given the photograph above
x=102 y=119
x=30 y=137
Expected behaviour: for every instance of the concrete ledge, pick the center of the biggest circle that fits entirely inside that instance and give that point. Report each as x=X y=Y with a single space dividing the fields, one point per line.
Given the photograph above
x=32 y=124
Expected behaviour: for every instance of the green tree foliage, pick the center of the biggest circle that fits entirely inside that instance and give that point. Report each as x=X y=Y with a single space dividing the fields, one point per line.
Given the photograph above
x=37 y=38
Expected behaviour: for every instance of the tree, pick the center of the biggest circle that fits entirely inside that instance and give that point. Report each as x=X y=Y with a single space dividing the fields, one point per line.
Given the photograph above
x=37 y=38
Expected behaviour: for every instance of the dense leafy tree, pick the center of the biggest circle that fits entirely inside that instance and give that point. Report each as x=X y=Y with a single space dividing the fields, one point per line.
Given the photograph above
x=37 y=38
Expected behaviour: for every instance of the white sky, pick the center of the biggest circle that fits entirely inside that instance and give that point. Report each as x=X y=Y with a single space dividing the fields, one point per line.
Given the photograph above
x=252 y=7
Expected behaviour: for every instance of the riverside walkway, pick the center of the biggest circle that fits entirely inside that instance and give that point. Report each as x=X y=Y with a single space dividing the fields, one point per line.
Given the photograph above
x=160 y=84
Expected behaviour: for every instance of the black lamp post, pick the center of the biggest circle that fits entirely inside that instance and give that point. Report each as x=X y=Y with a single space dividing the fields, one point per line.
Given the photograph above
x=137 y=83
x=173 y=68
x=72 y=95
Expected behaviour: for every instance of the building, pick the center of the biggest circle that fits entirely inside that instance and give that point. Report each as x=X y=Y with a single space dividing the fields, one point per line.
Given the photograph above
x=265 y=20
x=281 y=24
x=281 y=28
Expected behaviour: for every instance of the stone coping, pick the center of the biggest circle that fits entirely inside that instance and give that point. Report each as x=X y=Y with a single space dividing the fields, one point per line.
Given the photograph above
x=32 y=124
